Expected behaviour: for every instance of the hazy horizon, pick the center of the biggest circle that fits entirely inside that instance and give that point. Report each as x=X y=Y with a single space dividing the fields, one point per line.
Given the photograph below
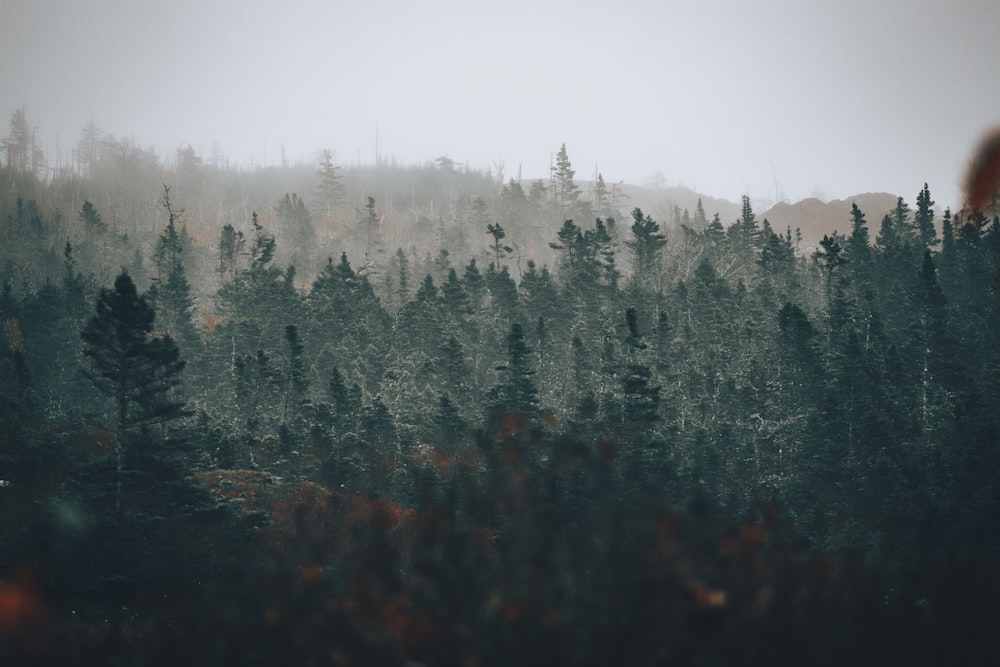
x=775 y=99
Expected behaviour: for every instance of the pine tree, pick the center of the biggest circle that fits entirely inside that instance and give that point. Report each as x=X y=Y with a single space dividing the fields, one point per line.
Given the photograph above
x=331 y=186
x=858 y=248
x=296 y=222
x=401 y=264
x=829 y=256
x=499 y=249
x=230 y=248
x=296 y=382
x=517 y=396
x=700 y=221
x=923 y=219
x=640 y=407
x=566 y=192
x=138 y=372
x=935 y=349
x=475 y=284
x=646 y=245
x=744 y=238
x=602 y=198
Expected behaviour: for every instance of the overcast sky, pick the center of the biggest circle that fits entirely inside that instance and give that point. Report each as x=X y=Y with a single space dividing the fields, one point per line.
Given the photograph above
x=730 y=98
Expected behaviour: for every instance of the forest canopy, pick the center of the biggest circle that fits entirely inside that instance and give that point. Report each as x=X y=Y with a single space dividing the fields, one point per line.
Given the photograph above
x=423 y=414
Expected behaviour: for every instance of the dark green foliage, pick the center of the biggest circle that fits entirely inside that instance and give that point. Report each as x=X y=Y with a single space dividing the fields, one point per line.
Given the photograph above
x=646 y=245
x=858 y=249
x=532 y=464
x=500 y=250
x=295 y=221
x=923 y=219
x=231 y=245
x=170 y=294
x=830 y=256
x=516 y=398
x=136 y=371
x=295 y=382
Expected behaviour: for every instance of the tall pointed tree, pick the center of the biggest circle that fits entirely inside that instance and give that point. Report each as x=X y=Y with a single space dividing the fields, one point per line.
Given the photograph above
x=566 y=191
x=646 y=244
x=923 y=219
x=135 y=370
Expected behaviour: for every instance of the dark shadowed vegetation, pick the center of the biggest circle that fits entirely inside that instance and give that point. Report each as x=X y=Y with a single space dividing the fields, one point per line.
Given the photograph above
x=418 y=415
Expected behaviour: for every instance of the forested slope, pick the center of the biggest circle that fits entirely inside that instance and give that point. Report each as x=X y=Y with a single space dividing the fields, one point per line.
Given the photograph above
x=396 y=414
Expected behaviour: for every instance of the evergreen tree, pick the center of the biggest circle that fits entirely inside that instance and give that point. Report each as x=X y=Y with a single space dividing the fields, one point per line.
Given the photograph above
x=640 y=407
x=296 y=382
x=296 y=222
x=830 y=255
x=401 y=266
x=499 y=249
x=776 y=260
x=602 y=198
x=449 y=428
x=345 y=402
x=700 y=221
x=517 y=396
x=570 y=245
x=331 y=186
x=454 y=298
x=858 y=246
x=565 y=190
x=259 y=301
x=923 y=219
x=646 y=246
x=371 y=229
x=421 y=320
x=230 y=248
x=744 y=238
x=474 y=283
x=935 y=350
x=138 y=372
x=170 y=293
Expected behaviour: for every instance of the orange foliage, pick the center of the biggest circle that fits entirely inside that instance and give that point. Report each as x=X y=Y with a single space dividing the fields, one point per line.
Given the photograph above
x=511 y=455
x=20 y=604
x=666 y=535
x=753 y=533
x=310 y=571
x=439 y=460
x=705 y=597
x=90 y=442
x=12 y=332
x=382 y=512
x=210 y=320
x=511 y=423
x=607 y=449
x=983 y=178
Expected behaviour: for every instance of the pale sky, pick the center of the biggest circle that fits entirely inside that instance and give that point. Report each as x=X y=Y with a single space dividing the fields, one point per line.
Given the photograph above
x=728 y=97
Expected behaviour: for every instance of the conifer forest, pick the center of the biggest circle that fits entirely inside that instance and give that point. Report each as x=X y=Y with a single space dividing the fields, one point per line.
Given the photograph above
x=387 y=414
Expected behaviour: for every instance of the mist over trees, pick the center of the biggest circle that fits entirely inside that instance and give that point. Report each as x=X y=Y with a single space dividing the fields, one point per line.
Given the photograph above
x=428 y=414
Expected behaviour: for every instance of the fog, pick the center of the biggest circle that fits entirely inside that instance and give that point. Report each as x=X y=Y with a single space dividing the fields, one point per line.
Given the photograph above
x=772 y=99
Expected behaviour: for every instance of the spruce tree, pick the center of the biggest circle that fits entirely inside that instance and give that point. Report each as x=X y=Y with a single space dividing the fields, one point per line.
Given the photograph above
x=646 y=245
x=567 y=193
x=923 y=219
x=138 y=372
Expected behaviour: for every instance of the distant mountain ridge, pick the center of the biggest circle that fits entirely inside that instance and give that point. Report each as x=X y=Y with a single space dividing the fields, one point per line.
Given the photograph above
x=811 y=216
x=660 y=202
x=814 y=218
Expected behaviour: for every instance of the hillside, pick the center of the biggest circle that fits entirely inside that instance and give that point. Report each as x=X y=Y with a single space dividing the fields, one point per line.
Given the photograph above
x=814 y=218
x=660 y=203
